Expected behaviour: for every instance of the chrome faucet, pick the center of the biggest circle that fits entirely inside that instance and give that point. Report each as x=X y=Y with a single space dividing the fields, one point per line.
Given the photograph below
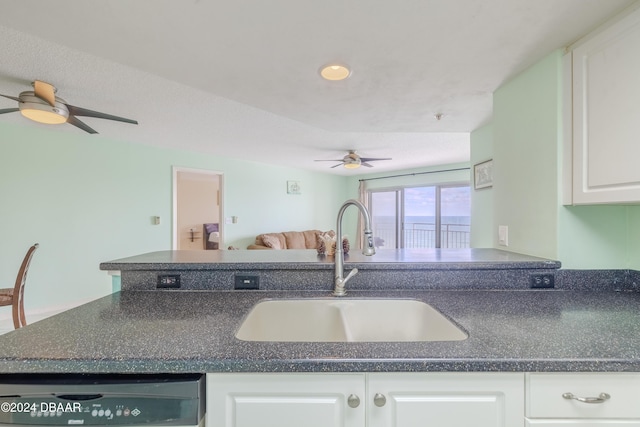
x=368 y=248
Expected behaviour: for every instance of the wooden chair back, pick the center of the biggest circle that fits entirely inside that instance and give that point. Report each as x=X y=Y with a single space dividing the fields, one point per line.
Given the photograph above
x=15 y=296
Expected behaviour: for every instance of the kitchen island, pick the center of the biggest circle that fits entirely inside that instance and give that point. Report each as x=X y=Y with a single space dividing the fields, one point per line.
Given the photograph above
x=579 y=325
x=527 y=348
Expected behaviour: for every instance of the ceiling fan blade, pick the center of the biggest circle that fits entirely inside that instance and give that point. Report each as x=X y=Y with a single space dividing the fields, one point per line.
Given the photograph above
x=45 y=91
x=339 y=164
x=329 y=160
x=9 y=110
x=11 y=97
x=370 y=159
x=72 y=120
x=78 y=111
x=366 y=164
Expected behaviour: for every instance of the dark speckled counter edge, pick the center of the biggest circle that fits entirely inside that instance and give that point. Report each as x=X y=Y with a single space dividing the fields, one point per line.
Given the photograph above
x=316 y=366
x=416 y=259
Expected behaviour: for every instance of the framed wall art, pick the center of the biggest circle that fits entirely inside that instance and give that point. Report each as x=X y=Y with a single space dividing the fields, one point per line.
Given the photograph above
x=483 y=174
x=293 y=187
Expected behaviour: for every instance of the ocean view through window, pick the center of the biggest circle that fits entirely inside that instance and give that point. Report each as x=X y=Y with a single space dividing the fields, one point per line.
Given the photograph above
x=421 y=217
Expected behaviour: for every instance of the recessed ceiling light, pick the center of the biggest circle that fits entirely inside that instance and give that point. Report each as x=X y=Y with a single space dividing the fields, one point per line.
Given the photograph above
x=335 y=72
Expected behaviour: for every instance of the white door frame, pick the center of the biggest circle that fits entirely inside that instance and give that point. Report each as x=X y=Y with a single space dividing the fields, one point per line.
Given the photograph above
x=175 y=170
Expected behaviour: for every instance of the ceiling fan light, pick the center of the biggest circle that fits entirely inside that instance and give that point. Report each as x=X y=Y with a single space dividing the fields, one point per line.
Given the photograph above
x=352 y=165
x=40 y=111
x=335 y=72
x=42 y=116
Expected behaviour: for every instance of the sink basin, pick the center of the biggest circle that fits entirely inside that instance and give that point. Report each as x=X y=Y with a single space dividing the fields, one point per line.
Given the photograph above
x=347 y=320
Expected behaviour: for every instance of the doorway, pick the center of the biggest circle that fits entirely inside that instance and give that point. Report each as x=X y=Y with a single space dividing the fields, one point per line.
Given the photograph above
x=197 y=209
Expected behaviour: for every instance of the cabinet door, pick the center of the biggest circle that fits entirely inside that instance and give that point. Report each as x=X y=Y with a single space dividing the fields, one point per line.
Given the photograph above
x=605 y=115
x=285 y=400
x=446 y=400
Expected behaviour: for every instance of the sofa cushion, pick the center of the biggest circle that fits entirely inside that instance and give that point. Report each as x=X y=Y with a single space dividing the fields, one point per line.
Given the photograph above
x=294 y=239
x=271 y=241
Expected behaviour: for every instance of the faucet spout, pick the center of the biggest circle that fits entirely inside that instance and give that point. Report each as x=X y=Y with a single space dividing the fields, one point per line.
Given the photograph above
x=368 y=248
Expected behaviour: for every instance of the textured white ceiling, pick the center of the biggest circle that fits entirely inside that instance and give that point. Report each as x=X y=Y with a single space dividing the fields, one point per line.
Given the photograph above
x=240 y=78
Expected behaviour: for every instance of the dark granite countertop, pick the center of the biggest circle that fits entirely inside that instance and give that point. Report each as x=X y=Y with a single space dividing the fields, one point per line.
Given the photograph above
x=407 y=259
x=193 y=331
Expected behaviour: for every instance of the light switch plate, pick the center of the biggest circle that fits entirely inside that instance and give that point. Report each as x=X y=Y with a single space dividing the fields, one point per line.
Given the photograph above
x=503 y=235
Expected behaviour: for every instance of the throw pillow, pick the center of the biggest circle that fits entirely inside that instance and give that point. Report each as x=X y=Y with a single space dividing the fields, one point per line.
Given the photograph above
x=327 y=243
x=271 y=241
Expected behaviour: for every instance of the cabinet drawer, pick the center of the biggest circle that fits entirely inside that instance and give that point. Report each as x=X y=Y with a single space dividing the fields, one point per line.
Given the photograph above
x=582 y=423
x=545 y=395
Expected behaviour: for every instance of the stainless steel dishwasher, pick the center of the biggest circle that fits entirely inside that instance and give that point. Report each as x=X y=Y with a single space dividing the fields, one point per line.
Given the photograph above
x=102 y=400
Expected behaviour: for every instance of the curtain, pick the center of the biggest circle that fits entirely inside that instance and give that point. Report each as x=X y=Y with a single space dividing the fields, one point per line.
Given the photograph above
x=364 y=199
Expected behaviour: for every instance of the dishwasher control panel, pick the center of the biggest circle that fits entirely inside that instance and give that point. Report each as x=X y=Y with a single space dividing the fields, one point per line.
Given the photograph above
x=103 y=410
x=105 y=400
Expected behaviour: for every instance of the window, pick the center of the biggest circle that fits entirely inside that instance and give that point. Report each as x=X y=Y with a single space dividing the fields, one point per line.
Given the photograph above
x=435 y=216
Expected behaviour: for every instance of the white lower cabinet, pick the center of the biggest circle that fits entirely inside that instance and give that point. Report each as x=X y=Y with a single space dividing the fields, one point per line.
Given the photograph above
x=285 y=400
x=583 y=399
x=446 y=400
x=359 y=400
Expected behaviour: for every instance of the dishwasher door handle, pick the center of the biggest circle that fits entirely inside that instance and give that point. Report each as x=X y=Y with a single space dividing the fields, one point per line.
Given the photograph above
x=78 y=397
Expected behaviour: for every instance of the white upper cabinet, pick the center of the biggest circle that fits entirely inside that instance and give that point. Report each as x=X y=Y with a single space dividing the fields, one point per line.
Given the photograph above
x=605 y=115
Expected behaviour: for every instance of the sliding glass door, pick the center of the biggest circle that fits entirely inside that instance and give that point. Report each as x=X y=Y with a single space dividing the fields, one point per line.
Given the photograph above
x=384 y=215
x=421 y=217
x=455 y=215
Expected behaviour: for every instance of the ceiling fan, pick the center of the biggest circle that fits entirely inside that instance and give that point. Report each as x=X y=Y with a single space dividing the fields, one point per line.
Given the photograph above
x=43 y=106
x=353 y=161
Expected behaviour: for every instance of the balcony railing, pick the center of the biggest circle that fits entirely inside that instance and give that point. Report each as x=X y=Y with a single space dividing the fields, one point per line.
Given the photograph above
x=423 y=235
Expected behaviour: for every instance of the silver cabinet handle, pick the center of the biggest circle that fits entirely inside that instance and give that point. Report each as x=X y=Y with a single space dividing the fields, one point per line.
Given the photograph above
x=353 y=401
x=379 y=400
x=603 y=397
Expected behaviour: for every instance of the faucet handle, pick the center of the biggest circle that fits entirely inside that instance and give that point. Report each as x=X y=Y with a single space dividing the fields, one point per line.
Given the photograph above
x=350 y=275
x=339 y=285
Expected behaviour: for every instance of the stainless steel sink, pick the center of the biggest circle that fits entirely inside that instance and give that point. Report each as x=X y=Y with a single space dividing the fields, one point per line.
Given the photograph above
x=347 y=320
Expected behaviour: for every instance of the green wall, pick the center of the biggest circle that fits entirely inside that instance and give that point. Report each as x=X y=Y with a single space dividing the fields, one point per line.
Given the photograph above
x=483 y=230
x=633 y=236
x=526 y=119
x=87 y=199
x=527 y=150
